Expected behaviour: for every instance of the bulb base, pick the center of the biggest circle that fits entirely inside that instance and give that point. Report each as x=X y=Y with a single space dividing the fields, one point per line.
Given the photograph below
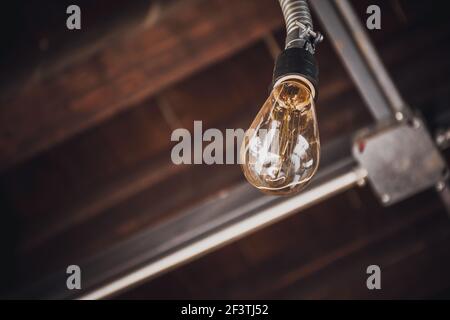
x=297 y=62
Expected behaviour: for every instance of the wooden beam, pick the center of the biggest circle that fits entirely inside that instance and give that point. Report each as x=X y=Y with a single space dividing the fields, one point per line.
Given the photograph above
x=41 y=112
x=146 y=148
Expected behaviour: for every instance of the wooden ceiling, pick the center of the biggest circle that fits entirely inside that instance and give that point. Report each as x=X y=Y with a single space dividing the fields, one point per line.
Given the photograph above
x=85 y=124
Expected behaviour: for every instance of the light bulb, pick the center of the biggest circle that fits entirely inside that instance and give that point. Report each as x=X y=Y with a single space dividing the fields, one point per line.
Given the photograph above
x=281 y=149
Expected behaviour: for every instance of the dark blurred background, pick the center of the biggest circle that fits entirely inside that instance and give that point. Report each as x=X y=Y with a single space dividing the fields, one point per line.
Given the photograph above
x=85 y=124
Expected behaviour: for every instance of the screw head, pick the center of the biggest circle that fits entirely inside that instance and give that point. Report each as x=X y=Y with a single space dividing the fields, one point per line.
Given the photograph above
x=416 y=123
x=361 y=183
x=385 y=198
x=440 y=186
x=440 y=139
x=399 y=116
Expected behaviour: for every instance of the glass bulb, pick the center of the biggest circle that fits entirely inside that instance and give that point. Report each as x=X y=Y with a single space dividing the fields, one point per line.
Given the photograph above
x=281 y=149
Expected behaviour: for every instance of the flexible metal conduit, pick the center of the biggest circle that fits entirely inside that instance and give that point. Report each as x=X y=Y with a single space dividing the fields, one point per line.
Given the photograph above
x=299 y=25
x=296 y=10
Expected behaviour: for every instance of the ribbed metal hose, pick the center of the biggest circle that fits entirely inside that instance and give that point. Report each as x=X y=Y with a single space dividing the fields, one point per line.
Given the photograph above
x=299 y=25
x=296 y=10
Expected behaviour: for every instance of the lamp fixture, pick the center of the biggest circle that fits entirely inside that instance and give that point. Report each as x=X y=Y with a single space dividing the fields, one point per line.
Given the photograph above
x=281 y=150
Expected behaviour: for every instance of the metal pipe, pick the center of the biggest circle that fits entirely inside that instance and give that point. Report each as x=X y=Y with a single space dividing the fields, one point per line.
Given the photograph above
x=366 y=78
x=373 y=60
x=231 y=233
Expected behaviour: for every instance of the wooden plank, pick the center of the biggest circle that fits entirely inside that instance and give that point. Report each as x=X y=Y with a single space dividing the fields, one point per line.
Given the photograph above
x=414 y=264
x=131 y=153
x=191 y=35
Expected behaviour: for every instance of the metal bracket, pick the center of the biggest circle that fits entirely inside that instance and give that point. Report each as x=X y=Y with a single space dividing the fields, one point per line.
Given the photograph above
x=304 y=37
x=400 y=158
